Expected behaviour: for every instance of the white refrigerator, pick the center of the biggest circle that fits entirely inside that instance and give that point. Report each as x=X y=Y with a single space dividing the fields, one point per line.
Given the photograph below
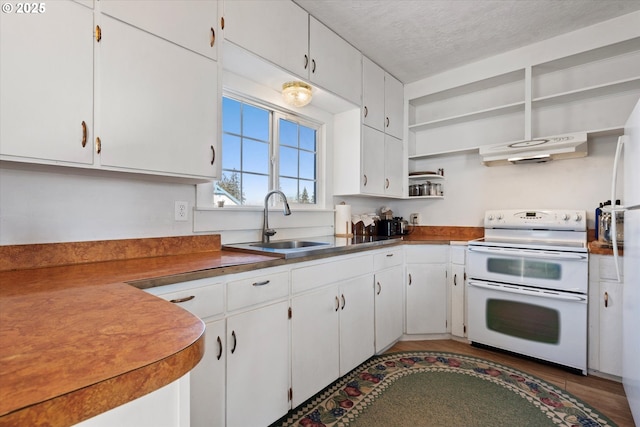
x=629 y=147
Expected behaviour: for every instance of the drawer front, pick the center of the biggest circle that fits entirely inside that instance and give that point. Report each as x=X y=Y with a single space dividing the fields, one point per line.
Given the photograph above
x=608 y=267
x=427 y=254
x=203 y=301
x=314 y=276
x=386 y=259
x=257 y=289
x=457 y=254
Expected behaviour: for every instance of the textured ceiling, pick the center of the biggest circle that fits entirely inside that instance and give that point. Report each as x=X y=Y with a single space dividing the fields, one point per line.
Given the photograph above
x=413 y=39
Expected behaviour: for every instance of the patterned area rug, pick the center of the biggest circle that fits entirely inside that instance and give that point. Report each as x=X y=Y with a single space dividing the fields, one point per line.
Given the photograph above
x=441 y=389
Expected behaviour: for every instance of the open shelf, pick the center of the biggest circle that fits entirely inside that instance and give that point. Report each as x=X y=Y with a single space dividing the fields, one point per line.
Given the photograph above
x=631 y=84
x=473 y=115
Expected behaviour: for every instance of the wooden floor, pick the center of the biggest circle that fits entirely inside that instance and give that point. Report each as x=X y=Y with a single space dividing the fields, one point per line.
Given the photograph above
x=605 y=395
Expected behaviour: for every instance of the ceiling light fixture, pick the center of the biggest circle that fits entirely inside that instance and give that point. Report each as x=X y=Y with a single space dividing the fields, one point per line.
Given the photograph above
x=297 y=94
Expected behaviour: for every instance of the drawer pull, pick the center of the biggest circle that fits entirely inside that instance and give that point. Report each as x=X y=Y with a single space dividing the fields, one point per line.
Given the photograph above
x=235 y=341
x=344 y=302
x=185 y=299
x=266 y=282
x=213 y=37
x=306 y=62
x=606 y=299
x=410 y=279
x=455 y=280
x=366 y=111
x=84 y=134
x=213 y=154
x=379 y=288
x=337 y=303
x=389 y=255
x=219 y=348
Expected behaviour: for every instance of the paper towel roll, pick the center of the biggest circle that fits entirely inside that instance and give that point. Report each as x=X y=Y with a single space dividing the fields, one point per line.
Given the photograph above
x=343 y=221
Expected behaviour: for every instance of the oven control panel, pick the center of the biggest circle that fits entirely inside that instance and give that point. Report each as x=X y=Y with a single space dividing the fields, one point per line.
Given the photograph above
x=531 y=219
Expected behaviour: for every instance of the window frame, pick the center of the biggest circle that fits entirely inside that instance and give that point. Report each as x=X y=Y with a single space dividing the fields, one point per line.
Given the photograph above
x=276 y=112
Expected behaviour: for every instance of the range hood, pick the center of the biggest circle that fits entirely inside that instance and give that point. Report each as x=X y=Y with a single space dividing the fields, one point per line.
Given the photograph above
x=539 y=150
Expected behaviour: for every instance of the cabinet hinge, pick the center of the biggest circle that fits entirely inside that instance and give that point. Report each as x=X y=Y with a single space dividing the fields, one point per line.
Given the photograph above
x=290 y=393
x=290 y=313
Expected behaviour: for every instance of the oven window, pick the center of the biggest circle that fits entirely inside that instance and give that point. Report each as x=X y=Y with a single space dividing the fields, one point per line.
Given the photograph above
x=525 y=268
x=527 y=321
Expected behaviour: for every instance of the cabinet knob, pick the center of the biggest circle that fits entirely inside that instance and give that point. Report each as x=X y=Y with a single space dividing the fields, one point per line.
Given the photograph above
x=84 y=134
x=213 y=36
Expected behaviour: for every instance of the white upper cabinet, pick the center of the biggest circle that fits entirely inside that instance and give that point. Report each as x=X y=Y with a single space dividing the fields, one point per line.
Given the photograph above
x=192 y=24
x=335 y=64
x=158 y=115
x=393 y=106
x=373 y=92
x=46 y=81
x=382 y=99
x=284 y=34
x=278 y=31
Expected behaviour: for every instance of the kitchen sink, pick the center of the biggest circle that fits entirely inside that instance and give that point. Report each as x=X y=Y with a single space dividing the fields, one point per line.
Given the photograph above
x=288 y=244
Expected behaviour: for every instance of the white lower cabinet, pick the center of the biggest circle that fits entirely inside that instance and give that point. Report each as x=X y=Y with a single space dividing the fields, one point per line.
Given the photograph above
x=258 y=366
x=605 y=316
x=457 y=279
x=388 y=283
x=332 y=324
x=208 y=385
x=426 y=289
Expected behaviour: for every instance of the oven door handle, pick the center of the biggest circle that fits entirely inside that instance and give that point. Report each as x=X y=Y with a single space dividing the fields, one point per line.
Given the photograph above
x=529 y=253
x=521 y=291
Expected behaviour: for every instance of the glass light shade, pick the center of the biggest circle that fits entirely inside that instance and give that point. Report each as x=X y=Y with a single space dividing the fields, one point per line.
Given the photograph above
x=297 y=94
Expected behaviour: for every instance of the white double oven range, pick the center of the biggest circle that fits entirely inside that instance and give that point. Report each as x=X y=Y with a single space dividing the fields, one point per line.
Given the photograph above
x=527 y=285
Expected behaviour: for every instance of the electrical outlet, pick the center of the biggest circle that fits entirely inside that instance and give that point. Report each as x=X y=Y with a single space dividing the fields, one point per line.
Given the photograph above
x=181 y=211
x=414 y=219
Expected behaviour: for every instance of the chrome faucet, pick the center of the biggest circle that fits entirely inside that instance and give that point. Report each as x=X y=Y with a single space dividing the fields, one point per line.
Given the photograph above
x=266 y=231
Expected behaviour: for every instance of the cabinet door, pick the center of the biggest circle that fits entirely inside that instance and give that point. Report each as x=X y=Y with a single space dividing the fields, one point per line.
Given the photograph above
x=388 y=307
x=394 y=106
x=208 y=380
x=189 y=23
x=160 y=114
x=426 y=299
x=393 y=166
x=356 y=322
x=372 y=94
x=335 y=64
x=373 y=152
x=611 y=328
x=277 y=31
x=258 y=366
x=458 y=321
x=46 y=81
x=314 y=342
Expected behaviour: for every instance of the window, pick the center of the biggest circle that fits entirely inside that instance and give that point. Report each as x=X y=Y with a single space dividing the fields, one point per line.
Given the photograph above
x=264 y=149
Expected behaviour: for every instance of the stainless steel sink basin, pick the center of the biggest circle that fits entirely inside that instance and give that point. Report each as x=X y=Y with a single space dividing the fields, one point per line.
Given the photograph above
x=288 y=244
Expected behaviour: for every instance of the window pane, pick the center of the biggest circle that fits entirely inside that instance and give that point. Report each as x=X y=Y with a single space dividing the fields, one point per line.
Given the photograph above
x=231 y=149
x=290 y=188
x=307 y=191
x=255 y=122
x=231 y=115
x=288 y=162
x=255 y=187
x=255 y=156
x=229 y=189
x=307 y=165
x=307 y=138
x=288 y=133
